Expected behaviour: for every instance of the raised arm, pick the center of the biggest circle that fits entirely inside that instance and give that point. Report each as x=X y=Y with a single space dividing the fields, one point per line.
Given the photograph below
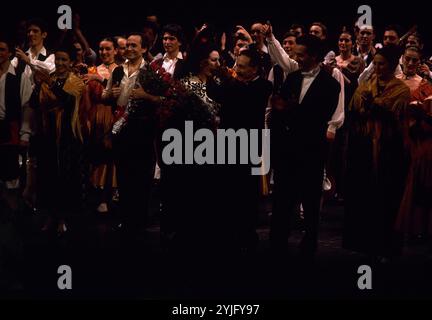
x=277 y=53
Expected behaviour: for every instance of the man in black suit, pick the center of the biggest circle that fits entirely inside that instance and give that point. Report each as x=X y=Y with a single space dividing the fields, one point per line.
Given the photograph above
x=243 y=103
x=299 y=122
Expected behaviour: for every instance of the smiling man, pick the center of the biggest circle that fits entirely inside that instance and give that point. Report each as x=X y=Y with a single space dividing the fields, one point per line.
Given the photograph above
x=172 y=40
x=133 y=145
x=36 y=58
x=365 y=48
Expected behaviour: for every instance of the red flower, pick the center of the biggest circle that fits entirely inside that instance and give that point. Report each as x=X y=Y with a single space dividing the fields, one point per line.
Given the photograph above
x=154 y=66
x=166 y=77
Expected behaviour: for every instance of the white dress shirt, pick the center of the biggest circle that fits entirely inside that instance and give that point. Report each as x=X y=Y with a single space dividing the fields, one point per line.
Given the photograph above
x=308 y=78
x=25 y=93
x=279 y=55
x=338 y=117
x=126 y=85
x=170 y=64
x=48 y=64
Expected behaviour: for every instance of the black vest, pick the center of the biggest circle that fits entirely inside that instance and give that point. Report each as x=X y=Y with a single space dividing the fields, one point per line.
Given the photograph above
x=12 y=106
x=21 y=64
x=179 y=71
x=12 y=98
x=278 y=78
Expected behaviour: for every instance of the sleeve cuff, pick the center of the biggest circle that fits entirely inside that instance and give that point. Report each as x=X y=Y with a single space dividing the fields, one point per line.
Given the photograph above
x=25 y=137
x=332 y=128
x=271 y=39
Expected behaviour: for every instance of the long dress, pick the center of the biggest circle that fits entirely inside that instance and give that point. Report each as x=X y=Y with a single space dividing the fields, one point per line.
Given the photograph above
x=376 y=167
x=337 y=164
x=99 y=121
x=415 y=214
x=57 y=146
x=190 y=199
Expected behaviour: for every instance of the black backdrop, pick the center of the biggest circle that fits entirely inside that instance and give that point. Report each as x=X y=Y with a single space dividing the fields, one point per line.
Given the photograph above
x=103 y=18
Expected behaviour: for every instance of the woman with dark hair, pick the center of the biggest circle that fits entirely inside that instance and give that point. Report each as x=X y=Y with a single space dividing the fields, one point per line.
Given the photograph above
x=415 y=215
x=351 y=67
x=56 y=145
x=99 y=121
x=376 y=165
x=189 y=214
x=203 y=60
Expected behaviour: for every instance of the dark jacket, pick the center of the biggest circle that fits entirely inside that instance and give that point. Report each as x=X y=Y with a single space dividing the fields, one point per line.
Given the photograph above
x=298 y=133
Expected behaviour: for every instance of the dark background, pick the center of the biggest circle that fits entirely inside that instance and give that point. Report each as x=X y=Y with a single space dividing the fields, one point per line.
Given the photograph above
x=107 y=18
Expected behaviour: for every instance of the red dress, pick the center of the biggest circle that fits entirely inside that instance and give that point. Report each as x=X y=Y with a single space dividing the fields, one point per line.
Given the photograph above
x=415 y=214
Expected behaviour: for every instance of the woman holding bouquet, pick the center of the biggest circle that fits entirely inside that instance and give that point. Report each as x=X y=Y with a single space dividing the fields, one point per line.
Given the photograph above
x=190 y=215
x=203 y=61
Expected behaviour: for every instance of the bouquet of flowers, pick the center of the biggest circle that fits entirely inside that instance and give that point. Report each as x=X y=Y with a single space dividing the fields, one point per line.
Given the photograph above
x=178 y=104
x=155 y=81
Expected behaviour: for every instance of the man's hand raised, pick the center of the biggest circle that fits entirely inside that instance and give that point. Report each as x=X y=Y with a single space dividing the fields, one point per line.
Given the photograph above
x=267 y=30
x=21 y=55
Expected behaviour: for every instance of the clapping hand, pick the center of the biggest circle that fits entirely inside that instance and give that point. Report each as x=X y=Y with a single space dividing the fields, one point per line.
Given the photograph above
x=42 y=75
x=21 y=55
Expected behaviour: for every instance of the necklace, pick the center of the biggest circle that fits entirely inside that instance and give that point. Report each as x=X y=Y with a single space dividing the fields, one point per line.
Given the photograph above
x=107 y=65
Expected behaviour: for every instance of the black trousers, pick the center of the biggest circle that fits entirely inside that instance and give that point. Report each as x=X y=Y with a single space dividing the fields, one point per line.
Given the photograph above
x=58 y=174
x=135 y=160
x=295 y=184
x=240 y=196
x=9 y=166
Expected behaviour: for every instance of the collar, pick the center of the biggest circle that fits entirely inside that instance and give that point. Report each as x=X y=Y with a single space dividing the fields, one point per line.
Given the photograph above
x=11 y=69
x=126 y=64
x=311 y=74
x=179 y=56
x=250 y=81
x=42 y=51
x=367 y=53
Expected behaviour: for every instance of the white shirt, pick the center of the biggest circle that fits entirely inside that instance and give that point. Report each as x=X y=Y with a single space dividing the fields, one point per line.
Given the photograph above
x=279 y=55
x=25 y=93
x=126 y=85
x=338 y=117
x=264 y=49
x=308 y=78
x=48 y=64
x=170 y=64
